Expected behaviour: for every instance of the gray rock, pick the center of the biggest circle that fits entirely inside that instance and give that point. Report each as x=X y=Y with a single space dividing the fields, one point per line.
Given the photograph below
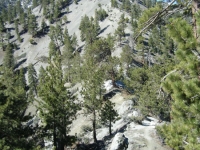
x=125 y=108
x=120 y=142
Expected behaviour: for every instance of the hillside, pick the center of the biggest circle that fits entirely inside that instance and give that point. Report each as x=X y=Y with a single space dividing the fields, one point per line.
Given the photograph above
x=99 y=74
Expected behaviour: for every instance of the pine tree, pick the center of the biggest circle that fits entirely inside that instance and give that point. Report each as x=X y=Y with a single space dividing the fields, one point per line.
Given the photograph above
x=32 y=80
x=92 y=90
x=108 y=114
x=183 y=85
x=114 y=3
x=21 y=81
x=8 y=61
x=119 y=33
x=126 y=56
x=122 y=23
x=8 y=35
x=57 y=107
x=23 y=21
x=56 y=12
x=65 y=19
x=89 y=29
x=43 y=26
x=35 y=3
x=52 y=49
x=14 y=131
x=32 y=25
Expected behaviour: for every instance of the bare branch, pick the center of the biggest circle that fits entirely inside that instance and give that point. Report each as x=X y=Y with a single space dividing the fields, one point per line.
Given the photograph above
x=153 y=19
x=168 y=75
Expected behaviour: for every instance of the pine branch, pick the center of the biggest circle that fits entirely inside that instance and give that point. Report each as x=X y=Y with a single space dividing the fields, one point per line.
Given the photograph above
x=153 y=19
x=168 y=75
x=196 y=54
x=160 y=89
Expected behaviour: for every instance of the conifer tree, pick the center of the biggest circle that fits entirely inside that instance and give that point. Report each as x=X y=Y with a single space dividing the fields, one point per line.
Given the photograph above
x=122 y=23
x=127 y=56
x=9 y=58
x=52 y=49
x=183 y=85
x=43 y=26
x=35 y=3
x=32 y=79
x=108 y=114
x=92 y=88
x=89 y=29
x=65 y=19
x=57 y=107
x=32 y=25
x=21 y=81
x=14 y=131
x=114 y=3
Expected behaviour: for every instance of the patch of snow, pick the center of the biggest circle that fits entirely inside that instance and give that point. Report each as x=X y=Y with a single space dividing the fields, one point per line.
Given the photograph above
x=108 y=85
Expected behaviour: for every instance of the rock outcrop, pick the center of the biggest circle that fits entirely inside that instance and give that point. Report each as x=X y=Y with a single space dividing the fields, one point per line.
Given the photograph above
x=120 y=142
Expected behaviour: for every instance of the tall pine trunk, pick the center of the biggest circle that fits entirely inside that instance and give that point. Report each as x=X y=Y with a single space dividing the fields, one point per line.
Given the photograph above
x=54 y=136
x=110 y=131
x=94 y=126
x=194 y=10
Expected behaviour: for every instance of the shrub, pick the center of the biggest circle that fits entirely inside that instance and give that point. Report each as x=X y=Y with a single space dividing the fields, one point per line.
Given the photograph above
x=31 y=41
x=101 y=14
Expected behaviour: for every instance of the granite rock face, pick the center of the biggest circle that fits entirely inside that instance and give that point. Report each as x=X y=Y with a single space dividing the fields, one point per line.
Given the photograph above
x=120 y=142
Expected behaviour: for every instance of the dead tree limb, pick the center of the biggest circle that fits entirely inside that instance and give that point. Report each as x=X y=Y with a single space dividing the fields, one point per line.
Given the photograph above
x=153 y=19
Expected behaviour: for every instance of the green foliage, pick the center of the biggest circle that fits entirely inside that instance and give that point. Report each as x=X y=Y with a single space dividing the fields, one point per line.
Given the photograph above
x=126 y=56
x=32 y=25
x=126 y=5
x=135 y=11
x=89 y=29
x=65 y=19
x=35 y=3
x=92 y=89
x=146 y=15
x=32 y=41
x=56 y=35
x=114 y=3
x=43 y=26
x=146 y=85
x=2 y=27
x=13 y=134
x=57 y=107
x=108 y=114
x=32 y=79
x=52 y=49
x=183 y=86
x=8 y=61
x=100 y=14
x=120 y=31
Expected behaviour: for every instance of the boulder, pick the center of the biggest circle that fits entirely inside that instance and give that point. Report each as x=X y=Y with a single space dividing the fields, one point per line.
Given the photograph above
x=125 y=108
x=119 y=125
x=120 y=142
x=148 y=123
x=134 y=114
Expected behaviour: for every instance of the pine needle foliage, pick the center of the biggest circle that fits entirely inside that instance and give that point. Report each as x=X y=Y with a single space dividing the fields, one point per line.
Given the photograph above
x=183 y=131
x=57 y=105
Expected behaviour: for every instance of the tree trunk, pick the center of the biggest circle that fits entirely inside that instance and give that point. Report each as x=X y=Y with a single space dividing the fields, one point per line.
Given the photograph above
x=194 y=10
x=110 y=131
x=94 y=127
x=54 y=136
x=62 y=146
